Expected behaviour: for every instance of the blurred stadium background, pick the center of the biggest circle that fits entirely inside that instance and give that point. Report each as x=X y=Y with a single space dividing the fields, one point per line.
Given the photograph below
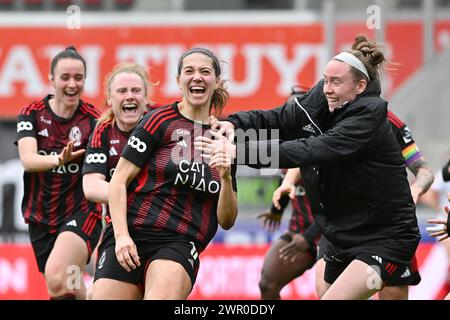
x=268 y=46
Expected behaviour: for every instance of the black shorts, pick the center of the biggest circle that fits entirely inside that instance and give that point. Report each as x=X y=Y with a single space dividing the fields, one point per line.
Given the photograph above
x=87 y=226
x=321 y=248
x=408 y=275
x=287 y=236
x=392 y=274
x=161 y=245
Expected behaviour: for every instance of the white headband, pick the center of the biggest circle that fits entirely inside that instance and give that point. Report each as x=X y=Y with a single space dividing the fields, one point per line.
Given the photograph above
x=353 y=61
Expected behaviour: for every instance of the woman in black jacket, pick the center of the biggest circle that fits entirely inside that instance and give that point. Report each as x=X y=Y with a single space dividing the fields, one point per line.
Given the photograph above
x=354 y=173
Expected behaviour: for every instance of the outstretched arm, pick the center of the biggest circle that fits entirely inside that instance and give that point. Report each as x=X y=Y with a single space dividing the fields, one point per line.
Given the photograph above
x=32 y=161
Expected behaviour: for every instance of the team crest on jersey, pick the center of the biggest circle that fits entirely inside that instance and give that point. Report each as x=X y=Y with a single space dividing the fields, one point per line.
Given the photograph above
x=75 y=135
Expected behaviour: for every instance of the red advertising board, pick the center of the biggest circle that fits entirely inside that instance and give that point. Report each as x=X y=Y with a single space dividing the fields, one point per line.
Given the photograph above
x=226 y=272
x=19 y=276
x=262 y=62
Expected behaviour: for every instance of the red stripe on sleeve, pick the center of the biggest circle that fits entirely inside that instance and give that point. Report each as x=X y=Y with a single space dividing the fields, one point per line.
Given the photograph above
x=98 y=131
x=396 y=121
x=157 y=115
x=90 y=109
x=158 y=124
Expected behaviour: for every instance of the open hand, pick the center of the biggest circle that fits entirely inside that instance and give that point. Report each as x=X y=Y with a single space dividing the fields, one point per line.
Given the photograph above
x=441 y=227
x=270 y=221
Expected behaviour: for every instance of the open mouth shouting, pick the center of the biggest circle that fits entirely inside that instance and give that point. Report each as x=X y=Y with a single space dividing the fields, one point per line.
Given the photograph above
x=71 y=94
x=197 y=90
x=129 y=108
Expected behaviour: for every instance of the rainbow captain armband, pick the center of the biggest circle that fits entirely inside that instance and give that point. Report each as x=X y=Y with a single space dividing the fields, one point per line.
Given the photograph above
x=411 y=153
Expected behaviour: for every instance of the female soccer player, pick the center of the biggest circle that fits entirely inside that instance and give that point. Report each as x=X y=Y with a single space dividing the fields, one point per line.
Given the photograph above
x=52 y=136
x=165 y=201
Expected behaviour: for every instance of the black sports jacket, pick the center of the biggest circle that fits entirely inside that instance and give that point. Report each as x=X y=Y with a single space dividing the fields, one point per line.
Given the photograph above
x=353 y=169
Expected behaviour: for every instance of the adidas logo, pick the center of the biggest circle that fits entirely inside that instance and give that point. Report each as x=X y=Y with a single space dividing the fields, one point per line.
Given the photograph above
x=43 y=133
x=309 y=128
x=406 y=274
x=182 y=143
x=113 y=152
x=101 y=261
x=378 y=259
x=72 y=223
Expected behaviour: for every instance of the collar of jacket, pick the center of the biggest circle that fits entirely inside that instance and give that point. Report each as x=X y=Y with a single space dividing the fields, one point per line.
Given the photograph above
x=373 y=89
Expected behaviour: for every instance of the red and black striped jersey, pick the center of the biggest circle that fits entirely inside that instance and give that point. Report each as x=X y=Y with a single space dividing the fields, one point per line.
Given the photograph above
x=302 y=216
x=175 y=190
x=104 y=149
x=51 y=197
x=410 y=150
x=302 y=219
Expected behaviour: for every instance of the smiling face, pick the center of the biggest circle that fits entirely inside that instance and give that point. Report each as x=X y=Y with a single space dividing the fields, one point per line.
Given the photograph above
x=127 y=98
x=340 y=86
x=197 y=80
x=68 y=80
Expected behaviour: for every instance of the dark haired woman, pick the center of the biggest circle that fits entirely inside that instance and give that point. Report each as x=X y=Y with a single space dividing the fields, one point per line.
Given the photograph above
x=53 y=133
x=165 y=200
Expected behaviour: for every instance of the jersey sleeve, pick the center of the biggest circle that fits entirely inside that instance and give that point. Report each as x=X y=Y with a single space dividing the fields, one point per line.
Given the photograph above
x=96 y=158
x=26 y=124
x=141 y=144
x=410 y=150
x=346 y=138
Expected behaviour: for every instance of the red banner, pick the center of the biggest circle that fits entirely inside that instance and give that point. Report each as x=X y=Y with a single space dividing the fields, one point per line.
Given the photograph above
x=261 y=62
x=226 y=272
x=19 y=276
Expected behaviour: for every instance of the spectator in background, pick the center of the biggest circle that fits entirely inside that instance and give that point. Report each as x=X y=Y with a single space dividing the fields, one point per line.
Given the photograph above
x=53 y=133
